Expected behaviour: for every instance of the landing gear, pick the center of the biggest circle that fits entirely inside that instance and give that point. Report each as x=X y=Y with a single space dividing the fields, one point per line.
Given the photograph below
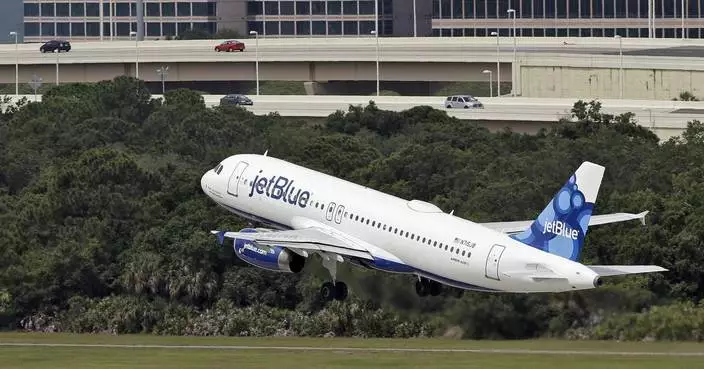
x=425 y=287
x=335 y=290
x=330 y=291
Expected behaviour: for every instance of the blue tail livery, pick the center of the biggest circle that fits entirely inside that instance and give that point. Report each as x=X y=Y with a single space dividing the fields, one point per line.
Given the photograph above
x=561 y=227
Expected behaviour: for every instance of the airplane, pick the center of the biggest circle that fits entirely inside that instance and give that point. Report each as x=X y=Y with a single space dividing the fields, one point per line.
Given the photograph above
x=306 y=212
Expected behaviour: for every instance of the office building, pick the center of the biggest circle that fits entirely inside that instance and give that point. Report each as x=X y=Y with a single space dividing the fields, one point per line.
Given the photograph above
x=115 y=19
x=77 y=20
x=569 y=18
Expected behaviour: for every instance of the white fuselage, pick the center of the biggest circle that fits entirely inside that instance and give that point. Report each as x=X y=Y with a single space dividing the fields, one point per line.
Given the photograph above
x=437 y=245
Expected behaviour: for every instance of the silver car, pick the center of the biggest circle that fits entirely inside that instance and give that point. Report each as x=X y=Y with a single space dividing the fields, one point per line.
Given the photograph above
x=463 y=102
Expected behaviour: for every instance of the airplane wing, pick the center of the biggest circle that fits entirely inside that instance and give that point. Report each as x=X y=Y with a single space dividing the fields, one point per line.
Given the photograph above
x=613 y=270
x=302 y=241
x=522 y=225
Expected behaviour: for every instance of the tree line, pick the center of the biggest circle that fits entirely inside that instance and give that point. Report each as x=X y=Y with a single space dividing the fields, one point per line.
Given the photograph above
x=105 y=227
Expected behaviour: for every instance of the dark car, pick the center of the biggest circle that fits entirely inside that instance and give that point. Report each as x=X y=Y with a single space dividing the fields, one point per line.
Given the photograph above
x=236 y=99
x=230 y=45
x=55 y=45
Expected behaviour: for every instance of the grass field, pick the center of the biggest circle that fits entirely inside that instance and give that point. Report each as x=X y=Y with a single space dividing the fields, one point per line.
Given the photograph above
x=600 y=355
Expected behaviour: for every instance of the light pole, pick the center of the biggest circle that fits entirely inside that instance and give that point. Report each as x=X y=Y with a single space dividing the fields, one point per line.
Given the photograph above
x=136 y=53
x=514 y=72
x=491 y=83
x=256 y=56
x=163 y=72
x=498 y=66
x=17 y=65
x=684 y=11
x=377 y=60
x=415 y=22
x=620 y=65
x=58 y=52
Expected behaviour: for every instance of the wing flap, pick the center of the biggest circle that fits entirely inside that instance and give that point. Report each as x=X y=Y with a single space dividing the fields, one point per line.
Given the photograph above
x=522 y=225
x=307 y=239
x=614 y=270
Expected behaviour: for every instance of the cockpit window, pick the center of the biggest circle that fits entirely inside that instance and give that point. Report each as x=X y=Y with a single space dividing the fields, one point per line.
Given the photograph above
x=220 y=170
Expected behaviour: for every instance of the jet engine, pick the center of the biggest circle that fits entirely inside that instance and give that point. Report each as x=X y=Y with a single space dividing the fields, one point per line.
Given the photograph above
x=276 y=258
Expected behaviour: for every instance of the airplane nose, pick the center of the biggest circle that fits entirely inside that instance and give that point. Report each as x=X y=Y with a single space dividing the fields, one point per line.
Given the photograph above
x=203 y=182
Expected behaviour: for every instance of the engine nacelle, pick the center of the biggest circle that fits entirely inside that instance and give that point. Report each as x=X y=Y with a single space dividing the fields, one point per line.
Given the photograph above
x=276 y=258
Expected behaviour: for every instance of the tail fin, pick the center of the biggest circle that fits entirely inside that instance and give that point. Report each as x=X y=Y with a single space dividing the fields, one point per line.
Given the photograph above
x=561 y=227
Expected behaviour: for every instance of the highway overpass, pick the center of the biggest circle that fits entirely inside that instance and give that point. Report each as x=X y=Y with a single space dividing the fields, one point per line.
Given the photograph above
x=525 y=115
x=545 y=67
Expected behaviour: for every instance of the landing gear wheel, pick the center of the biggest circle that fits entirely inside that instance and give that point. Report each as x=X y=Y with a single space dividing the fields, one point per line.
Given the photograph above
x=340 y=291
x=422 y=288
x=435 y=288
x=327 y=291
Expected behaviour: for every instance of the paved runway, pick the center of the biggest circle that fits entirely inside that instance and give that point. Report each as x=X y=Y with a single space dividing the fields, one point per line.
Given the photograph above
x=360 y=349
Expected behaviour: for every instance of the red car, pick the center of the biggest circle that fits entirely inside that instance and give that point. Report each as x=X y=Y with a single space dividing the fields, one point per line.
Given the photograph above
x=230 y=45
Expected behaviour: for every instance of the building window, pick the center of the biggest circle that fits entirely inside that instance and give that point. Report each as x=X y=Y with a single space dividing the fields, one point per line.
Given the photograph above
x=183 y=27
x=318 y=8
x=351 y=27
x=169 y=29
x=349 y=8
x=183 y=9
x=334 y=28
x=123 y=28
x=334 y=7
x=48 y=29
x=31 y=10
x=366 y=7
x=153 y=9
x=77 y=10
x=212 y=9
x=302 y=8
x=153 y=29
x=287 y=8
x=254 y=7
x=78 y=29
x=31 y=28
x=256 y=26
x=271 y=8
x=168 y=10
x=92 y=29
x=272 y=28
x=122 y=10
x=200 y=9
x=289 y=28
x=92 y=10
x=319 y=27
x=47 y=11
x=303 y=28
x=366 y=27
x=63 y=29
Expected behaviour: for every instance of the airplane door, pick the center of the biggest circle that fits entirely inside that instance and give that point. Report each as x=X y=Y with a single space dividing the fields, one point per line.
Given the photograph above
x=331 y=211
x=492 y=261
x=339 y=213
x=235 y=178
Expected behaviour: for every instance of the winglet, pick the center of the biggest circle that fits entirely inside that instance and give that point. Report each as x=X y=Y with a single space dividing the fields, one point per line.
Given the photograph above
x=641 y=216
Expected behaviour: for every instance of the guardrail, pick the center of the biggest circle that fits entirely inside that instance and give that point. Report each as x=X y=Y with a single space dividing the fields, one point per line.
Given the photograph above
x=657 y=115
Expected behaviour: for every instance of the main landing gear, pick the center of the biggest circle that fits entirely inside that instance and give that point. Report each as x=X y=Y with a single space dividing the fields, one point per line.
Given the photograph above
x=425 y=287
x=335 y=290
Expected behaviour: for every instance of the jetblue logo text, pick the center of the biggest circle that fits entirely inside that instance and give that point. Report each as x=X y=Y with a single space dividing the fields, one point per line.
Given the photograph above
x=280 y=188
x=559 y=228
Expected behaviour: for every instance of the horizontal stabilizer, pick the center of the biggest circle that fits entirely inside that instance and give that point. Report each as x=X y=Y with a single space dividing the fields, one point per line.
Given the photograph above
x=535 y=275
x=613 y=270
